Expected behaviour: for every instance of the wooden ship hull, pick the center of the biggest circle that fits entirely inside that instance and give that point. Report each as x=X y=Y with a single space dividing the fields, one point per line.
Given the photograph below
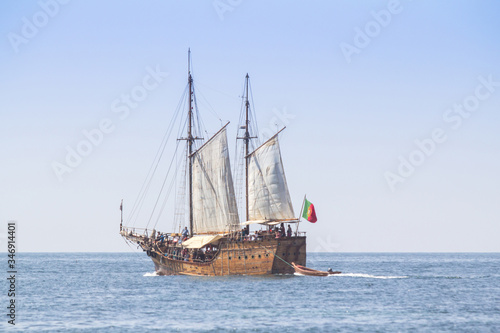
x=257 y=257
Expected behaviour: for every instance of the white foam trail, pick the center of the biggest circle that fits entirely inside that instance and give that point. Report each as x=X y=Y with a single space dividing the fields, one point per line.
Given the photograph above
x=151 y=274
x=368 y=276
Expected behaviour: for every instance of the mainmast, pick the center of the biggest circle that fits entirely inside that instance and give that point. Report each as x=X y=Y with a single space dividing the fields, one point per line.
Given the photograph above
x=246 y=138
x=247 y=142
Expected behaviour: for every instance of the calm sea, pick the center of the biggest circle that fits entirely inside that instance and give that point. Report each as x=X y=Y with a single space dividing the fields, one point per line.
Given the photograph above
x=119 y=292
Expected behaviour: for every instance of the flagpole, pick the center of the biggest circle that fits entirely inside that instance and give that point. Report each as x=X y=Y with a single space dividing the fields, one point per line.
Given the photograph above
x=121 y=218
x=300 y=216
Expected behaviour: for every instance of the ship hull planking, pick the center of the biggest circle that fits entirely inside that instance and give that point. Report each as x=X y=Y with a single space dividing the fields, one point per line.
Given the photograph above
x=258 y=257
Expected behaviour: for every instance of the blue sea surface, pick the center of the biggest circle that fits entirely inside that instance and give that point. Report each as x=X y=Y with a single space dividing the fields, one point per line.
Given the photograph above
x=380 y=292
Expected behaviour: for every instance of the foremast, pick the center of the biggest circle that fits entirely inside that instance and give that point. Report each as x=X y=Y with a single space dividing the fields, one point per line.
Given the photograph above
x=190 y=141
x=212 y=203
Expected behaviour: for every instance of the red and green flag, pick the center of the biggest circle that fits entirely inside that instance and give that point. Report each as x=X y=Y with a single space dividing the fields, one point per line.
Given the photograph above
x=309 y=213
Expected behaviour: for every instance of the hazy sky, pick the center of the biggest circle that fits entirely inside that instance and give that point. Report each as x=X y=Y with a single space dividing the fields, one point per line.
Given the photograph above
x=392 y=111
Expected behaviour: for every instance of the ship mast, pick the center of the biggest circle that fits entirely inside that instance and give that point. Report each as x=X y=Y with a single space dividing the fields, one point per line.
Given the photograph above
x=246 y=138
x=190 y=141
x=247 y=142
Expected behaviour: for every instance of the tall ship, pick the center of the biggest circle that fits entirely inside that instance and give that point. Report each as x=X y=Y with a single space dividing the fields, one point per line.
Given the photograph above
x=208 y=238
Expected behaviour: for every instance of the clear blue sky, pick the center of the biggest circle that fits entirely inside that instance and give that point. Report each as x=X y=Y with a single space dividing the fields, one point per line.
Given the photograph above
x=361 y=81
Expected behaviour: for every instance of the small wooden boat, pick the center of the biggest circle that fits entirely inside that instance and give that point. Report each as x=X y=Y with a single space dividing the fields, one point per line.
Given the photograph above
x=312 y=272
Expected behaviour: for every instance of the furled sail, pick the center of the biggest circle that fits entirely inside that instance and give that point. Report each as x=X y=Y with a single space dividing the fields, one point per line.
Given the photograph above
x=268 y=197
x=214 y=203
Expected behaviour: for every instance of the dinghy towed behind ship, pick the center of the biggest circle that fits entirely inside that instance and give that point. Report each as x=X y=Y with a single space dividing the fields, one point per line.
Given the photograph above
x=218 y=244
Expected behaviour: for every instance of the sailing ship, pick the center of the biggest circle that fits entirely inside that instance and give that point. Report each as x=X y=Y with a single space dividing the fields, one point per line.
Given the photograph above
x=217 y=243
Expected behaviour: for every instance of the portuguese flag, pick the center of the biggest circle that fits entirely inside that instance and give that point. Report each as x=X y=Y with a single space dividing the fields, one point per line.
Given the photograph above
x=309 y=213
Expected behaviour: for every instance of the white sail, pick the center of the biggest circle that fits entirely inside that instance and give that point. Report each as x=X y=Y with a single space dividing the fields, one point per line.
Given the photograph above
x=268 y=197
x=214 y=203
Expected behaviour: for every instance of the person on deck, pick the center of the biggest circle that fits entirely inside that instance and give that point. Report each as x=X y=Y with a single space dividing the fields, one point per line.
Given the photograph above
x=185 y=254
x=289 y=232
x=258 y=234
x=160 y=238
x=185 y=233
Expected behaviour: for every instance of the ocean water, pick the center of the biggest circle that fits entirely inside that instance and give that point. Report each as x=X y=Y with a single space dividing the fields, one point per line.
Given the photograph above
x=119 y=292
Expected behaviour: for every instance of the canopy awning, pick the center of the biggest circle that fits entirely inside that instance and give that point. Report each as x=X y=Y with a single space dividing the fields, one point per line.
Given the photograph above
x=197 y=242
x=270 y=222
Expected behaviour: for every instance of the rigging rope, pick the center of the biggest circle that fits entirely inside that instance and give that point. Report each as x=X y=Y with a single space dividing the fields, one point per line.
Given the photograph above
x=131 y=248
x=277 y=256
x=152 y=170
x=163 y=185
x=253 y=121
x=172 y=183
x=209 y=106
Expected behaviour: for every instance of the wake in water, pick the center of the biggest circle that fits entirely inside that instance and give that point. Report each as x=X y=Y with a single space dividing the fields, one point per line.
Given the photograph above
x=368 y=276
x=151 y=274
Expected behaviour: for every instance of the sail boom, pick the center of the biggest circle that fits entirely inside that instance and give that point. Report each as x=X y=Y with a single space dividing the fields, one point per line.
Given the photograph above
x=208 y=141
x=268 y=196
x=262 y=145
x=271 y=222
